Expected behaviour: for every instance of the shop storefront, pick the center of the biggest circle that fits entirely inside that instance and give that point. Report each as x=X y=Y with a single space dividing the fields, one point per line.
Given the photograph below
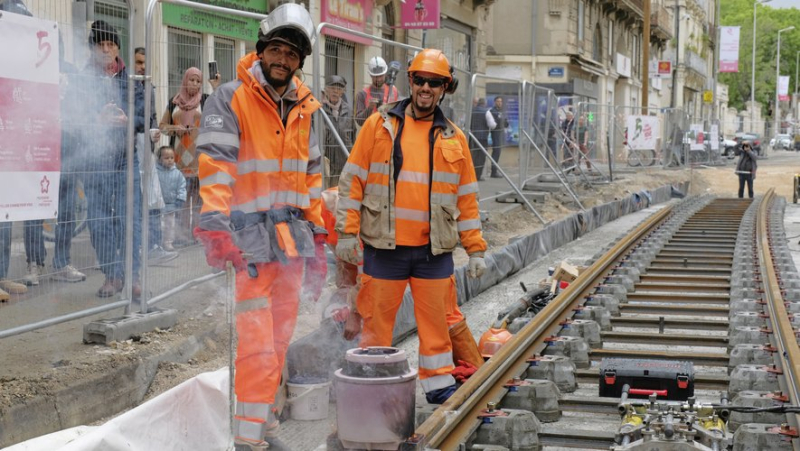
x=195 y=37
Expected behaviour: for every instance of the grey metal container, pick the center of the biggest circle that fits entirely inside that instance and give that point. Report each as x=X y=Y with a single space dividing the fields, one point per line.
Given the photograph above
x=375 y=394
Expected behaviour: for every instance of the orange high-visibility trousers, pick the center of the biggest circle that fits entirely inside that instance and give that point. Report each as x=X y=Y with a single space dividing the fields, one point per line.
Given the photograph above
x=380 y=299
x=266 y=314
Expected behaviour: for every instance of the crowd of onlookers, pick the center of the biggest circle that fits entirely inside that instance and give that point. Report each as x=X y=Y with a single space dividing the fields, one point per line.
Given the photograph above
x=93 y=155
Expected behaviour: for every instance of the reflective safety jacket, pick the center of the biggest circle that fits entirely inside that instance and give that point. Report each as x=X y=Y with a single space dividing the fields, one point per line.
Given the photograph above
x=367 y=192
x=251 y=162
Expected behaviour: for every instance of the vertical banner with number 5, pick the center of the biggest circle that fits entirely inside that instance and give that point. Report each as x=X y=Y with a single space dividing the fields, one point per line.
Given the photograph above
x=30 y=129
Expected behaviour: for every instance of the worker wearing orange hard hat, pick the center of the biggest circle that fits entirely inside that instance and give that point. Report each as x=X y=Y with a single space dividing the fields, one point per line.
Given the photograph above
x=409 y=192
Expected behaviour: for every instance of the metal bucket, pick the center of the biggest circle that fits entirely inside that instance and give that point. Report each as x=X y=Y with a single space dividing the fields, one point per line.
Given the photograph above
x=375 y=394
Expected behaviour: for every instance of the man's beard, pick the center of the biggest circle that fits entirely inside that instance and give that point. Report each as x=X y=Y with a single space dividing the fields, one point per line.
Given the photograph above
x=423 y=111
x=276 y=82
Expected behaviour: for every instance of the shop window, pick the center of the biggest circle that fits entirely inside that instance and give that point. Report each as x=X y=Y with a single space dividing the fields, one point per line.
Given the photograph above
x=597 y=44
x=387 y=31
x=185 y=51
x=225 y=56
x=611 y=37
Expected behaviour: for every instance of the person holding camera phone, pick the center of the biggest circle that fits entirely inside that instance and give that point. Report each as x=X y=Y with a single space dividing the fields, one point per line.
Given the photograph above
x=376 y=94
x=181 y=122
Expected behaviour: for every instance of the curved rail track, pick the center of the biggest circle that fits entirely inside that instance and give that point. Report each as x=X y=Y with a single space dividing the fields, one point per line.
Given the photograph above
x=704 y=282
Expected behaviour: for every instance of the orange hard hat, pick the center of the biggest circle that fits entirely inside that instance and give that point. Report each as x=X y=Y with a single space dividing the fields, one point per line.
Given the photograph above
x=433 y=61
x=492 y=340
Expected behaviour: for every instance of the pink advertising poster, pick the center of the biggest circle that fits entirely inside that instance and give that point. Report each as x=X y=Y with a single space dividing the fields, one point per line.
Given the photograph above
x=350 y=14
x=419 y=14
x=30 y=131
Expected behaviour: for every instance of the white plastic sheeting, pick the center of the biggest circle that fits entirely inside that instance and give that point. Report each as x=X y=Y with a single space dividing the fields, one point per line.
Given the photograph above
x=193 y=416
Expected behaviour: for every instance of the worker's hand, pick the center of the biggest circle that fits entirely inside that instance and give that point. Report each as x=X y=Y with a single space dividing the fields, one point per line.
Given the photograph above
x=349 y=250
x=352 y=326
x=476 y=267
x=316 y=270
x=220 y=249
x=463 y=371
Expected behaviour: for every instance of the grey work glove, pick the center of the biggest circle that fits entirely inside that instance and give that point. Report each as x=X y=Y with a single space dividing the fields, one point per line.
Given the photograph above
x=349 y=250
x=476 y=267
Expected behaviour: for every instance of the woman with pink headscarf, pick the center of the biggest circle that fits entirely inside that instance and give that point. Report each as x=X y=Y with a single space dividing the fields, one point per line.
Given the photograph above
x=181 y=122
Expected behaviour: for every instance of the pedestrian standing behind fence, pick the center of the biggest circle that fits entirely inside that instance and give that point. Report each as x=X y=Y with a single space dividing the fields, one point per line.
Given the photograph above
x=181 y=122
x=173 y=188
x=480 y=129
x=582 y=134
x=496 y=118
x=341 y=114
x=746 y=169
x=102 y=97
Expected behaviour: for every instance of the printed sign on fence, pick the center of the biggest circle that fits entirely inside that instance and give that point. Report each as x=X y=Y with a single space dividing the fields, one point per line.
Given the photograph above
x=729 y=49
x=696 y=137
x=30 y=131
x=714 y=137
x=642 y=132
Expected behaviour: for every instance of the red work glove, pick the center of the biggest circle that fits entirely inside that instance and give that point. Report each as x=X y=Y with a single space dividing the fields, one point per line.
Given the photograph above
x=463 y=371
x=316 y=270
x=220 y=249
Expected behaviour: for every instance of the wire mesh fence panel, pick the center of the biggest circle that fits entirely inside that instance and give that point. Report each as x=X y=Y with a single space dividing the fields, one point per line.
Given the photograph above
x=352 y=87
x=182 y=85
x=75 y=258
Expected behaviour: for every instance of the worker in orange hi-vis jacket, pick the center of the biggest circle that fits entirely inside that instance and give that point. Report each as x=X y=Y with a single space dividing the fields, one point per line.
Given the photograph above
x=261 y=182
x=465 y=350
x=409 y=192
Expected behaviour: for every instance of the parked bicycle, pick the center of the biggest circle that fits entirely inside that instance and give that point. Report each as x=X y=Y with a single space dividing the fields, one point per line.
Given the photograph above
x=641 y=157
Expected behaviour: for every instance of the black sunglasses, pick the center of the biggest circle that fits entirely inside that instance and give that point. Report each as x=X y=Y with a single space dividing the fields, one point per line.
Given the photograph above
x=432 y=82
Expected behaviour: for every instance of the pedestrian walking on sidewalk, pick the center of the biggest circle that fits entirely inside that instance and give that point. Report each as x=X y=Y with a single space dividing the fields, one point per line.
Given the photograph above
x=260 y=170
x=409 y=192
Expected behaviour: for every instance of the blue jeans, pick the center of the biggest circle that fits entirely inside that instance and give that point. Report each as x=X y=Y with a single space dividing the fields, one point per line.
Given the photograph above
x=5 y=248
x=66 y=220
x=34 y=244
x=106 y=198
x=34 y=241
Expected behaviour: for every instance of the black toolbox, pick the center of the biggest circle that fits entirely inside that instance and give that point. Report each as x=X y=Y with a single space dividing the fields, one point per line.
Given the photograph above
x=671 y=380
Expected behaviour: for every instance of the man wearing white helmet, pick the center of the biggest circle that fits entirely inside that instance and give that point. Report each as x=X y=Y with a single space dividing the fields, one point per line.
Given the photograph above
x=261 y=181
x=376 y=94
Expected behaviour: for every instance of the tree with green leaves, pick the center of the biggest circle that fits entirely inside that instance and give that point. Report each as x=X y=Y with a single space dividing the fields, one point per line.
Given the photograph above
x=770 y=20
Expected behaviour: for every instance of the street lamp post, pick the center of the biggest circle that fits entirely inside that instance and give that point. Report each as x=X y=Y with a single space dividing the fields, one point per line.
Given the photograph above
x=753 y=80
x=776 y=110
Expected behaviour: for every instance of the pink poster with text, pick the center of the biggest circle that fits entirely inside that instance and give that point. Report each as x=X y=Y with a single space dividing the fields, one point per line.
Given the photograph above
x=419 y=14
x=30 y=130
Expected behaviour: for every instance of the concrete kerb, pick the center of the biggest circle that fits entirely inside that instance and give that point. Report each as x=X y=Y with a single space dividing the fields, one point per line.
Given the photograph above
x=93 y=398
